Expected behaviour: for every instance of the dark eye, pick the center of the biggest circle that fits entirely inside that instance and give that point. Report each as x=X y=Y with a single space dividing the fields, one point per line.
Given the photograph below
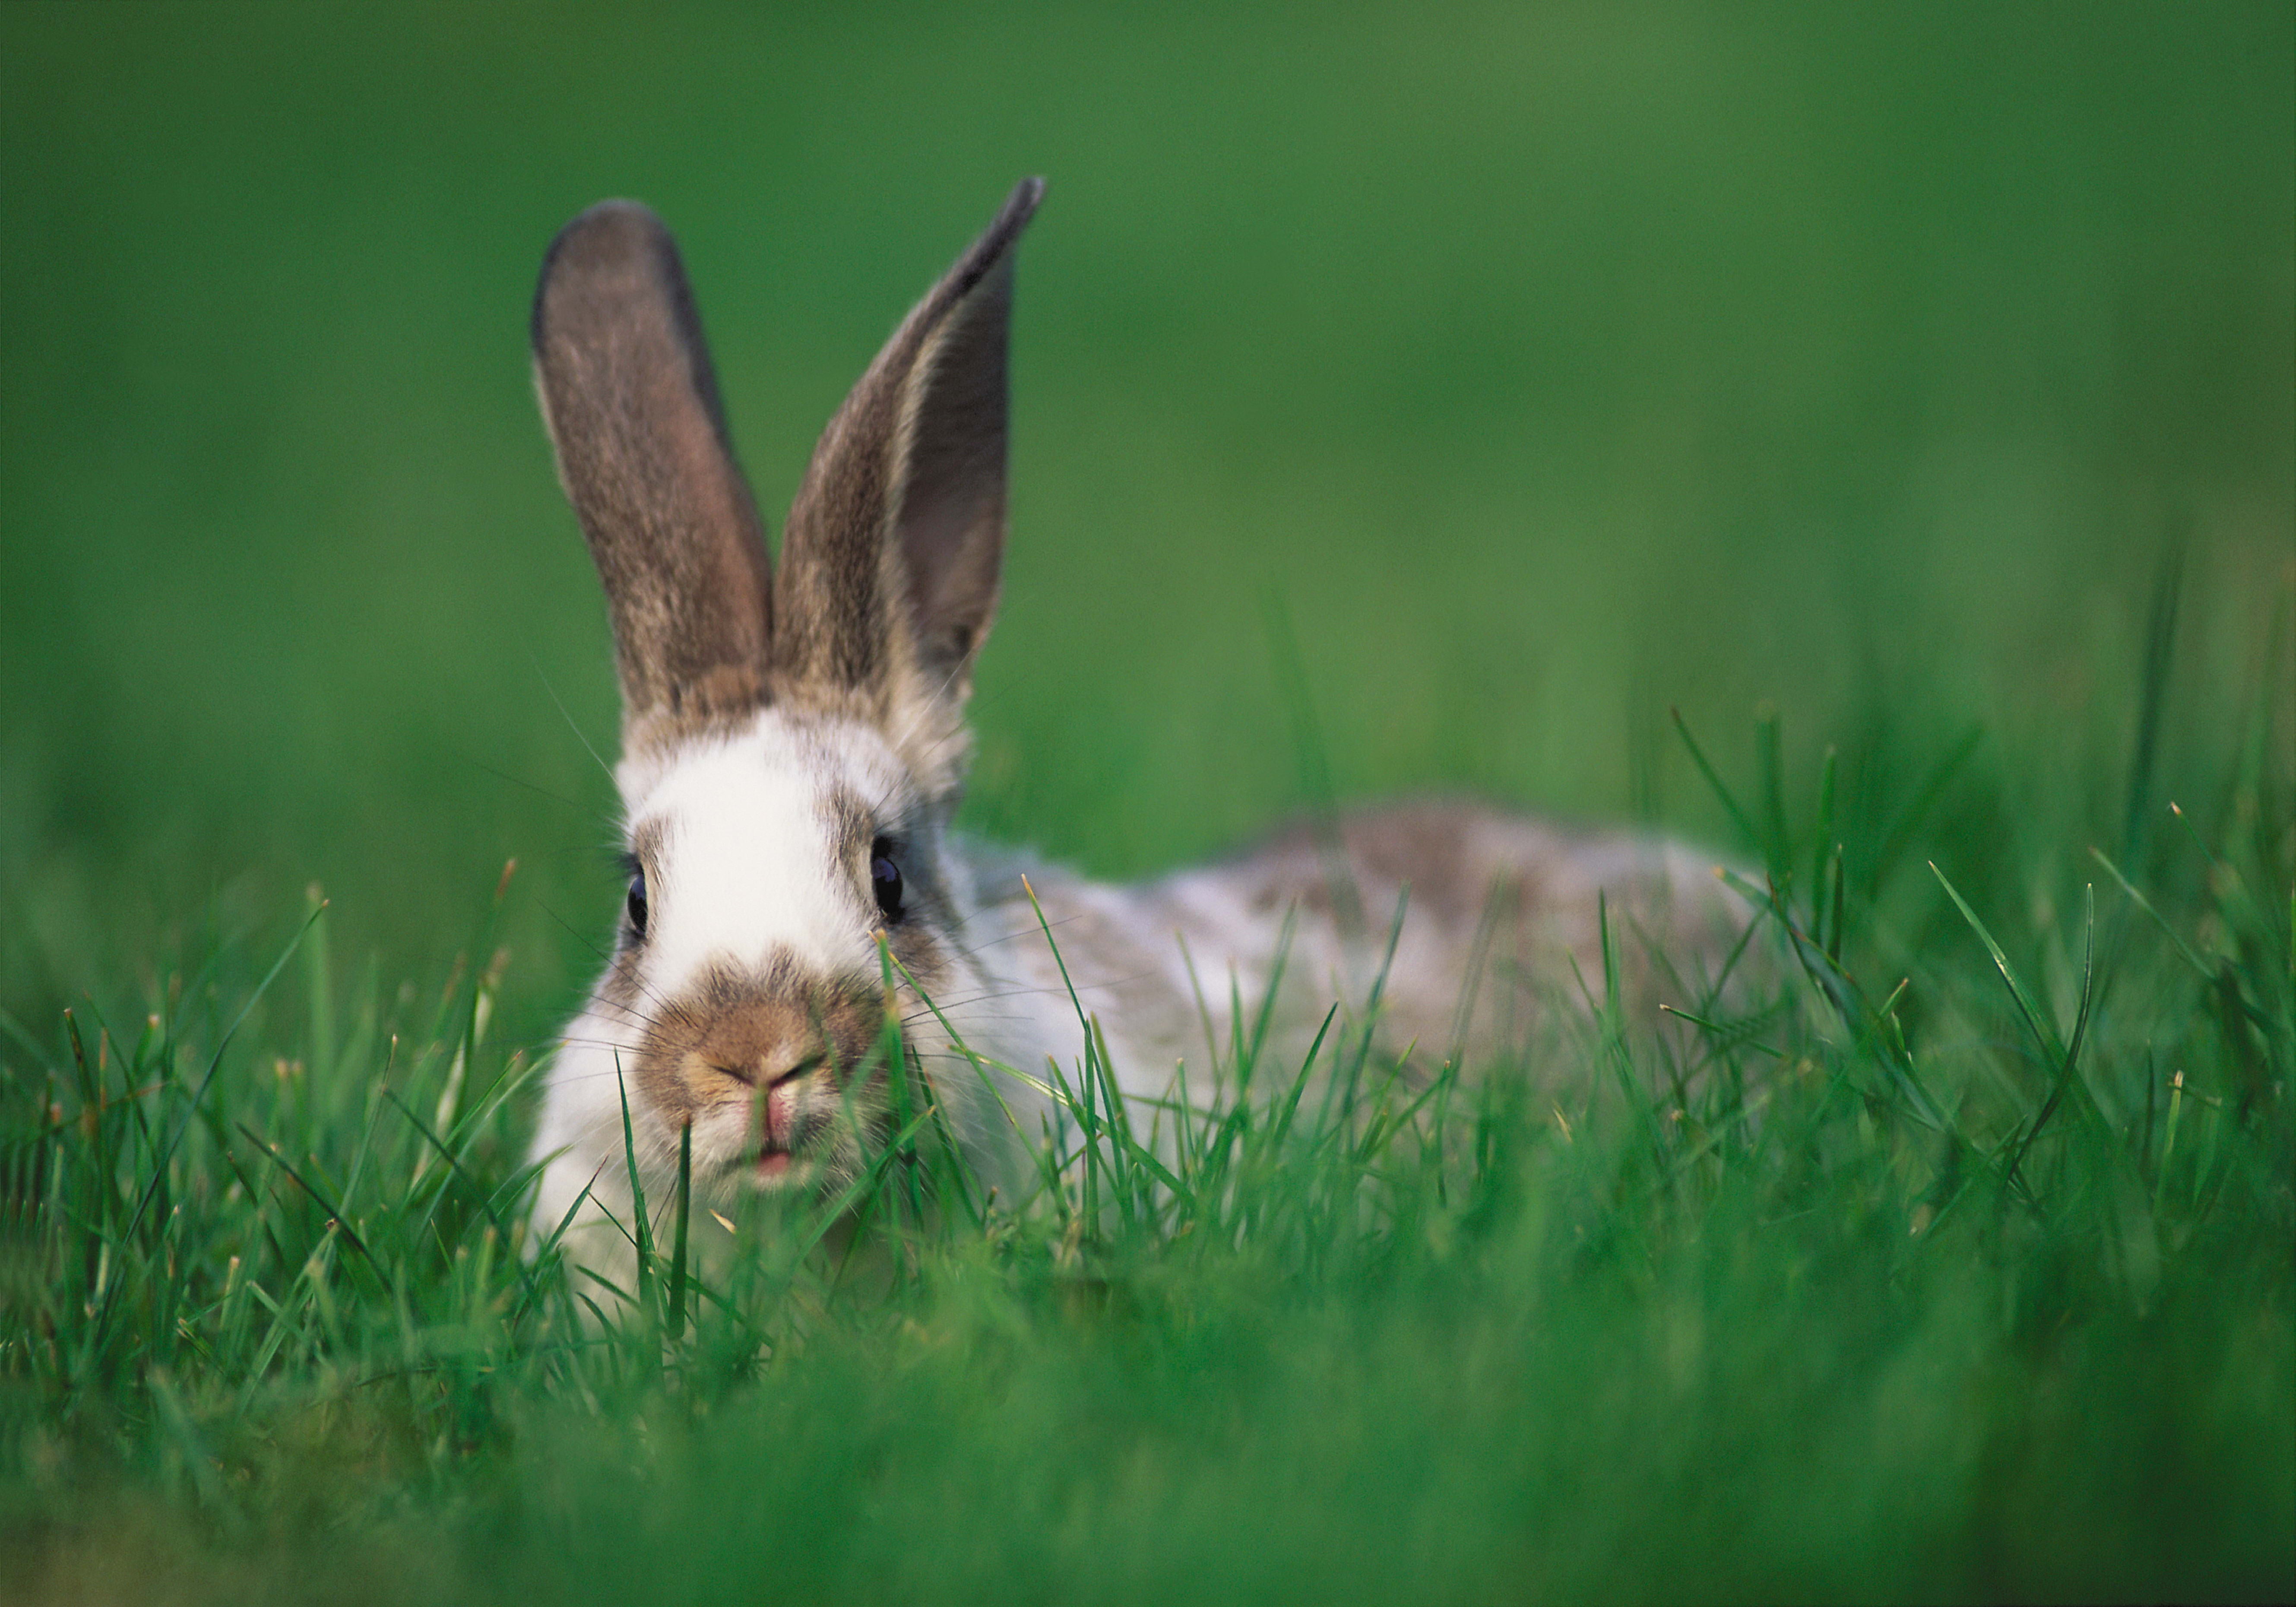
x=885 y=880
x=636 y=905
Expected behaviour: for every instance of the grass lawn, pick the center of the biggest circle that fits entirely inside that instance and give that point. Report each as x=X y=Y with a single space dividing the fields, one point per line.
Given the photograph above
x=1865 y=445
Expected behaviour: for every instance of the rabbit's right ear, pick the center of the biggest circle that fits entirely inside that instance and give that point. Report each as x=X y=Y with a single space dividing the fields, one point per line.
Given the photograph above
x=633 y=412
x=895 y=543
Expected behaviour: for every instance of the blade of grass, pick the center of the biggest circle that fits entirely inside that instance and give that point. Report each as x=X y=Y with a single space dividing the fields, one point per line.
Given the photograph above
x=678 y=1247
x=1738 y=816
x=2068 y=1070
x=642 y=1229
x=2052 y=1051
x=334 y=1212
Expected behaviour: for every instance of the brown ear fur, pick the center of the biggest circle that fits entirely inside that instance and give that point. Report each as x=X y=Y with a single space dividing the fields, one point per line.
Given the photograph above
x=633 y=412
x=890 y=563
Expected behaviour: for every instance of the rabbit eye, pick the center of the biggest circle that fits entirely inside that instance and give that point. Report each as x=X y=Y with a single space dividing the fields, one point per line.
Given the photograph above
x=636 y=905
x=885 y=879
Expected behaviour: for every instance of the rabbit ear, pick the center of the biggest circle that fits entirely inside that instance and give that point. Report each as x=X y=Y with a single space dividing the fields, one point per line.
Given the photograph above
x=890 y=563
x=632 y=407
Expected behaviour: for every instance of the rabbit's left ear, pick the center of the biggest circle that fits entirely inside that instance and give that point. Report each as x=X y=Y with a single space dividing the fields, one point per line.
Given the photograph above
x=632 y=407
x=891 y=559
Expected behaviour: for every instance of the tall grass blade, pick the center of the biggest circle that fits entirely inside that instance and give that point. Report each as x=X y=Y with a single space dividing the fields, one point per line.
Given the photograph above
x=1753 y=839
x=2052 y=1051
x=677 y=1245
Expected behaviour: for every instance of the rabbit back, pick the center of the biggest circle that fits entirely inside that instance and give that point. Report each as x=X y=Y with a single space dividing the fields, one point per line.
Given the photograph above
x=1467 y=928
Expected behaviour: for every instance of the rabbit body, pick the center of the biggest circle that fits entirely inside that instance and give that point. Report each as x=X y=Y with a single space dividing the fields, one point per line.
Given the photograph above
x=793 y=748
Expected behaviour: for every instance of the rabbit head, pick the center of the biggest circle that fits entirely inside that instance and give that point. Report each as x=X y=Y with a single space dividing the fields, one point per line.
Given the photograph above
x=792 y=738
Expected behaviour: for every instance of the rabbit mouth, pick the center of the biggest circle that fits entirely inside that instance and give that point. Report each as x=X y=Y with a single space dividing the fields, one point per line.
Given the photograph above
x=780 y=1161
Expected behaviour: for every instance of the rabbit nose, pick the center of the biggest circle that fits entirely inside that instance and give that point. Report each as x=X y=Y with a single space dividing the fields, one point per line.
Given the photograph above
x=755 y=1035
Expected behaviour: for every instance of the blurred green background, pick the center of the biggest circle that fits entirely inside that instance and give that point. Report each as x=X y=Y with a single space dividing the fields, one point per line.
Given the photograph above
x=1551 y=366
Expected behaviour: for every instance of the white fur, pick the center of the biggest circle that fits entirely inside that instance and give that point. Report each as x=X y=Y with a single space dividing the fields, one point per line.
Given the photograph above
x=747 y=864
x=745 y=867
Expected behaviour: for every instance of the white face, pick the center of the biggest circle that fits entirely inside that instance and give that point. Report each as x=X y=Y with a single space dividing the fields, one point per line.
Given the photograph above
x=747 y=994
x=749 y=858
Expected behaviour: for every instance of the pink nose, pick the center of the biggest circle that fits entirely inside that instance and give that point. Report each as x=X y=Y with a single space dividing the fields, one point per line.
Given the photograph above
x=745 y=1041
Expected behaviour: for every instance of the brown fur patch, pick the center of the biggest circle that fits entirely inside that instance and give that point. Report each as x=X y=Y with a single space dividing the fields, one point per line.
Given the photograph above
x=1503 y=914
x=891 y=558
x=734 y=1034
x=633 y=409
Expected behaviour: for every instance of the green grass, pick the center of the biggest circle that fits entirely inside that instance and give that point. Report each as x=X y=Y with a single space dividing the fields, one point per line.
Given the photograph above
x=1906 y=397
x=1962 y=1286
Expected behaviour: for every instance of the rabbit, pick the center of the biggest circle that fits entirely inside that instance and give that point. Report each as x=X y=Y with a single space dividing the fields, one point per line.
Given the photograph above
x=793 y=749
